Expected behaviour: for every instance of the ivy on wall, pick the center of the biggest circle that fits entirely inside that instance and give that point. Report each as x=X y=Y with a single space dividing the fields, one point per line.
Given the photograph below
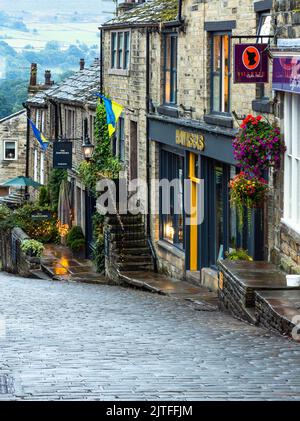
x=103 y=163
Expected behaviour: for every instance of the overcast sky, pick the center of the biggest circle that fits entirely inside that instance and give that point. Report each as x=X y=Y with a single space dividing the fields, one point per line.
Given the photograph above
x=57 y=6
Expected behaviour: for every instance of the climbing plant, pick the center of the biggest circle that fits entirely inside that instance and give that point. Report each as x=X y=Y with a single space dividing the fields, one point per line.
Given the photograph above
x=103 y=163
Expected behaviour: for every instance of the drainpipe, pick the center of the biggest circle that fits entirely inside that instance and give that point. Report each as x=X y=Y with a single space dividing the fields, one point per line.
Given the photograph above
x=150 y=243
x=101 y=61
x=28 y=114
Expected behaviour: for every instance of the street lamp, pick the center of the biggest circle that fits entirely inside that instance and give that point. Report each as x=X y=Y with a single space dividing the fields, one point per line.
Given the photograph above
x=88 y=148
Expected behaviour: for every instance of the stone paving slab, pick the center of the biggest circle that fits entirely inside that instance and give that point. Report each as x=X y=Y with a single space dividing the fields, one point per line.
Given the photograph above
x=73 y=341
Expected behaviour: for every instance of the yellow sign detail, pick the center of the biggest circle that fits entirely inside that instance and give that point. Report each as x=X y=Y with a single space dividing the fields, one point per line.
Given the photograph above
x=190 y=140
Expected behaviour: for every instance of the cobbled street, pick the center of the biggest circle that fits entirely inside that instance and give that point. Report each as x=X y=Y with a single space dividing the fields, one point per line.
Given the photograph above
x=78 y=341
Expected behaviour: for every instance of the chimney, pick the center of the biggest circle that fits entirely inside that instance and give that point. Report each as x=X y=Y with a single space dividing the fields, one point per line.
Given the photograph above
x=48 y=81
x=33 y=75
x=127 y=5
x=81 y=64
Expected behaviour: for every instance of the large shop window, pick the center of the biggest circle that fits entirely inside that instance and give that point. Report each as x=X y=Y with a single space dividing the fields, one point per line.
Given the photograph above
x=292 y=161
x=120 y=50
x=172 y=222
x=220 y=73
x=170 y=69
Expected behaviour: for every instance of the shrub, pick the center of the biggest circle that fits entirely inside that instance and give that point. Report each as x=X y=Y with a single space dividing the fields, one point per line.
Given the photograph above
x=98 y=255
x=33 y=247
x=75 y=233
x=5 y=212
x=239 y=254
x=43 y=231
x=55 y=179
x=77 y=245
x=44 y=197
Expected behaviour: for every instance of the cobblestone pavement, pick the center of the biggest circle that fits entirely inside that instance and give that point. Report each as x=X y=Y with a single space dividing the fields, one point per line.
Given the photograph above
x=80 y=341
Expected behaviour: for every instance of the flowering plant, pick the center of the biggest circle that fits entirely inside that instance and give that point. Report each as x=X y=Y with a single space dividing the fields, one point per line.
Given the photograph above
x=247 y=192
x=258 y=146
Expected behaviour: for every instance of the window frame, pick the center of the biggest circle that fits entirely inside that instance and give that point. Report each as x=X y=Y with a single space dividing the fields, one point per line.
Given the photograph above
x=173 y=70
x=5 y=141
x=291 y=212
x=260 y=87
x=120 y=65
x=167 y=167
x=212 y=44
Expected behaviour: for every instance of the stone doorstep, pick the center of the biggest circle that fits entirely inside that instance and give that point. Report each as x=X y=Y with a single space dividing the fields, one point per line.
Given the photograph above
x=200 y=297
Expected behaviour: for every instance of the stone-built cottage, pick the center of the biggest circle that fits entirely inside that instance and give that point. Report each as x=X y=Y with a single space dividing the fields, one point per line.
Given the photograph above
x=12 y=148
x=65 y=112
x=170 y=64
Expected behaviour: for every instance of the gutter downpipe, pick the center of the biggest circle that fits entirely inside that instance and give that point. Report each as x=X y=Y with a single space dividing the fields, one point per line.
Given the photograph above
x=149 y=239
x=28 y=114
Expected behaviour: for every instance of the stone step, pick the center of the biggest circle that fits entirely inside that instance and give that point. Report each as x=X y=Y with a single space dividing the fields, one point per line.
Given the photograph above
x=132 y=258
x=126 y=219
x=134 y=267
x=40 y=274
x=136 y=251
x=130 y=243
x=127 y=228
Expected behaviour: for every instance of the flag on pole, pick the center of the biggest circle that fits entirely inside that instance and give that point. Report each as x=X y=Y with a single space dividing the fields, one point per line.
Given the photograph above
x=113 y=113
x=39 y=136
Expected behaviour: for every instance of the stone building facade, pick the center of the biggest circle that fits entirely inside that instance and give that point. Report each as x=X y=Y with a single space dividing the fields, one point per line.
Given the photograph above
x=173 y=100
x=12 y=148
x=66 y=113
x=284 y=229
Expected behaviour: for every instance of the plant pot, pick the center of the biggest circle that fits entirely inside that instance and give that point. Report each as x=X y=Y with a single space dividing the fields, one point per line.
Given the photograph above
x=293 y=280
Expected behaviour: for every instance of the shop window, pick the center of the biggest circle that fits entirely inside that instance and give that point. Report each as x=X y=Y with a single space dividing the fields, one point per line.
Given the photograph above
x=120 y=50
x=292 y=161
x=220 y=73
x=10 y=150
x=172 y=222
x=170 y=68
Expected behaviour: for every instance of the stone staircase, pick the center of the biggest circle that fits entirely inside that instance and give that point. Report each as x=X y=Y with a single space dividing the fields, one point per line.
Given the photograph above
x=127 y=248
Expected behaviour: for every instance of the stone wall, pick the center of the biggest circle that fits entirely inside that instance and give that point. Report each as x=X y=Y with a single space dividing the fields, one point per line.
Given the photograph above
x=12 y=258
x=13 y=128
x=283 y=241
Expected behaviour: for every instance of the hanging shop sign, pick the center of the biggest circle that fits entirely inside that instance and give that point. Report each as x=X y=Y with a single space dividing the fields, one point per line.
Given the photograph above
x=286 y=74
x=41 y=215
x=251 y=63
x=190 y=140
x=62 y=155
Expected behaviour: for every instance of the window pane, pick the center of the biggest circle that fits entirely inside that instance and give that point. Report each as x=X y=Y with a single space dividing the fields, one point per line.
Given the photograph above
x=127 y=50
x=168 y=52
x=10 y=150
x=120 y=49
x=168 y=87
x=113 y=50
x=226 y=73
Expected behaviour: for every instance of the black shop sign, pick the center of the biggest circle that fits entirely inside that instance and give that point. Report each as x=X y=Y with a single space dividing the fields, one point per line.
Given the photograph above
x=62 y=155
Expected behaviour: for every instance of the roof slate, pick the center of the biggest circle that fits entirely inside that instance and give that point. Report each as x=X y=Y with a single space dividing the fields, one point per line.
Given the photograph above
x=78 y=88
x=153 y=11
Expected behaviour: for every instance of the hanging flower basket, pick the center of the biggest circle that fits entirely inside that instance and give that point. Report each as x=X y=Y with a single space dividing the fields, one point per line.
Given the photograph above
x=247 y=192
x=258 y=146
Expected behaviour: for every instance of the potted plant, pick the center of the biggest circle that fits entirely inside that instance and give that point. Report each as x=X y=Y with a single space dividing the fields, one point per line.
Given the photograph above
x=32 y=248
x=76 y=242
x=258 y=146
x=239 y=254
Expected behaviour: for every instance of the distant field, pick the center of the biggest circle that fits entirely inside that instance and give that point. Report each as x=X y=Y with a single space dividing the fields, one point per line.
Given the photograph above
x=65 y=33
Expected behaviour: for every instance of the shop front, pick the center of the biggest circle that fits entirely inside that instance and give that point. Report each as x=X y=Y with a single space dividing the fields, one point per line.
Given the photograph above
x=200 y=222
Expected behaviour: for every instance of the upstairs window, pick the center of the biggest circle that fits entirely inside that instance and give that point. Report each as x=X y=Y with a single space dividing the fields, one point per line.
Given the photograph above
x=170 y=68
x=220 y=73
x=10 y=150
x=120 y=50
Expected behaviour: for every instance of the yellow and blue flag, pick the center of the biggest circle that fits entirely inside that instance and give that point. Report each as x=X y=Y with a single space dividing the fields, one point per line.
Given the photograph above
x=39 y=136
x=113 y=113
